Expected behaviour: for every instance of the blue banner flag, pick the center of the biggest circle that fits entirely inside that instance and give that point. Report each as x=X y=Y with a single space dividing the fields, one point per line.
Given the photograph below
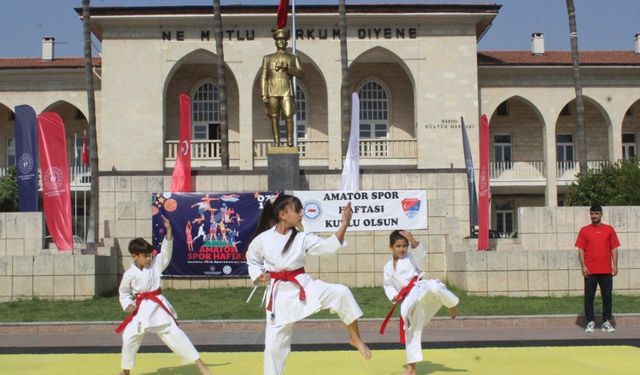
x=27 y=158
x=471 y=180
x=211 y=231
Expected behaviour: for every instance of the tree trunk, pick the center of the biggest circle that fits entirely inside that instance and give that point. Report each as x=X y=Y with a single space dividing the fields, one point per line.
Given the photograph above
x=344 y=91
x=577 y=83
x=94 y=222
x=222 y=86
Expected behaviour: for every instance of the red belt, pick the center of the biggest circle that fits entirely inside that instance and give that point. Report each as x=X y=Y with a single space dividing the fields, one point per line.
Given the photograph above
x=153 y=295
x=287 y=276
x=399 y=297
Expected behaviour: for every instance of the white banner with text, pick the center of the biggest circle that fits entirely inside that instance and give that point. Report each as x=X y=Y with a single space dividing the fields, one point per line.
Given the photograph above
x=372 y=209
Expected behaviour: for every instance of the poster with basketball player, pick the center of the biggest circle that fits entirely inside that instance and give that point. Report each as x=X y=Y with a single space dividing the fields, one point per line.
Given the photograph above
x=211 y=231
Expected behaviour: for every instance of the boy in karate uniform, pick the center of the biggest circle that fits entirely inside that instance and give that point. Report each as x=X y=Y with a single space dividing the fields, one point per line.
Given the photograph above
x=148 y=309
x=420 y=298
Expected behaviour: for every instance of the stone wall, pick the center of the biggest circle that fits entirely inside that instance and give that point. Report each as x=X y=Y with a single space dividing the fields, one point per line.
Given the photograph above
x=124 y=204
x=27 y=270
x=543 y=260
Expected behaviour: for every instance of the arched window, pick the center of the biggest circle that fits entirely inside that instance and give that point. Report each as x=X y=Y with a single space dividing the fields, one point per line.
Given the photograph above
x=374 y=111
x=11 y=152
x=205 y=112
x=301 y=115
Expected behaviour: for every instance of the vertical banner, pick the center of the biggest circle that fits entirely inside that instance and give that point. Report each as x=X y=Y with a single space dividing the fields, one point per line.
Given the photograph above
x=350 y=178
x=283 y=12
x=181 y=178
x=483 y=186
x=27 y=158
x=471 y=180
x=211 y=231
x=56 y=194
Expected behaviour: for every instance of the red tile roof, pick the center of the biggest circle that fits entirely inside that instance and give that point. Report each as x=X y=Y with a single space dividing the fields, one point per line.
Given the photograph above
x=38 y=63
x=488 y=58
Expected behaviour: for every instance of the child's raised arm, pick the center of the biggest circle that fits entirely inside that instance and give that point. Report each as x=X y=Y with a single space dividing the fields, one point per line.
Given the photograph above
x=166 y=252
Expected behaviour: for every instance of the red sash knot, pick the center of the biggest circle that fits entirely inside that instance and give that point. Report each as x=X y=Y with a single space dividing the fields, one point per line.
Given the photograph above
x=286 y=276
x=153 y=296
x=399 y=298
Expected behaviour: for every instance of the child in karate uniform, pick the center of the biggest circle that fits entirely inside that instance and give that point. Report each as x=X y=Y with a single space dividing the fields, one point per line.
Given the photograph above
x=277 y=257
x=420 y=298
x=148 y=310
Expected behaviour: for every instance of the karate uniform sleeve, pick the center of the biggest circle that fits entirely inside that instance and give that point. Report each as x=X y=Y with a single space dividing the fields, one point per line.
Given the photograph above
x=255 y=259
x=126 y=294
x=389 y=289
x=419 y=256
x=166 y=252
x=315 y=245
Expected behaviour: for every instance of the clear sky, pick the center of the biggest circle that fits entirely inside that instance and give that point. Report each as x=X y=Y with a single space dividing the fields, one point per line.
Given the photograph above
x=602 y=24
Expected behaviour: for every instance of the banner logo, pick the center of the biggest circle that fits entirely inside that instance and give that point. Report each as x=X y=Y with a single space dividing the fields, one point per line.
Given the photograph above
x=311 y=210
x=53 y=178
x=25 y=163
x=411 y=207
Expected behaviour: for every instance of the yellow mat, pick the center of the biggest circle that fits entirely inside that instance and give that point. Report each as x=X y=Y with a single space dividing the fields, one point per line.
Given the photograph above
x=586 y=360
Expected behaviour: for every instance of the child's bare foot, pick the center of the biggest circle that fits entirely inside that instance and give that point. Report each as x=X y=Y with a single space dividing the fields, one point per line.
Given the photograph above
x=411 y=369
x=453 y=312
x=361 y=346
x=204 y=370
x=124 y=372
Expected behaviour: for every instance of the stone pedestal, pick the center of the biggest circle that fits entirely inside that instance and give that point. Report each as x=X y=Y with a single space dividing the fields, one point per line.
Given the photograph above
x=283 y=166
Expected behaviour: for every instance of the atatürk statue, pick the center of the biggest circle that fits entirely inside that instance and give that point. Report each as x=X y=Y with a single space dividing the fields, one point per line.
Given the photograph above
x=277 y=85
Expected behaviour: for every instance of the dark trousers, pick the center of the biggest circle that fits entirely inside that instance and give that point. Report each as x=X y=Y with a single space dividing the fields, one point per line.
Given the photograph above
x=606 y=287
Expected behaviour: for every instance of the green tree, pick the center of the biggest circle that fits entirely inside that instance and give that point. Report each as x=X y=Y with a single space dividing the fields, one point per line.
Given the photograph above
x=611 y=185
x=9 y=191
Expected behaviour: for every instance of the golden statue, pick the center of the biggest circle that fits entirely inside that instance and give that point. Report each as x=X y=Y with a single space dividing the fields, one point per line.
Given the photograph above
x=277 y=85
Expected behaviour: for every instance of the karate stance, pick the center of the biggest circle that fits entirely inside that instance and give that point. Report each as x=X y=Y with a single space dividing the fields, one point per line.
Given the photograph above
x=148 y=309
x=420 y=299
x=277 y=256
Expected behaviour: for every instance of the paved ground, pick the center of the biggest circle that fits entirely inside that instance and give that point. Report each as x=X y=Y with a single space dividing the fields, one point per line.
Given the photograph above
x=211 y=336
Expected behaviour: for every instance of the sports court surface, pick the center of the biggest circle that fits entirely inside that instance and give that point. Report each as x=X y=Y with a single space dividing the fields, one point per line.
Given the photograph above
x=582 y=360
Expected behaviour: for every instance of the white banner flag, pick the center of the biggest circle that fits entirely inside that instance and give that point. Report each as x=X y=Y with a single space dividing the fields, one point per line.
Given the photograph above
x=372 y=209
x=350 y=179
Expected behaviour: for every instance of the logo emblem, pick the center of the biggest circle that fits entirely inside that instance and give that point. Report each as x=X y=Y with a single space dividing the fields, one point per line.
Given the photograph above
x=311 y=210
x=410 y=207
x=25 y=163
x=53 y=178
x=226 y=269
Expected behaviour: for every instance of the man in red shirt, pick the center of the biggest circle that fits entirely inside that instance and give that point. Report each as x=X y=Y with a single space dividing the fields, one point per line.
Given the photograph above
x=597 y=245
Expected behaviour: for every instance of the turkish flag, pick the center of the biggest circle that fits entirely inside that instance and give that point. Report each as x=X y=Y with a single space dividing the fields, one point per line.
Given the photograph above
x=181 y=178
x=283 y=12
x=56 y=193
x=85 y=151
x=483 y=186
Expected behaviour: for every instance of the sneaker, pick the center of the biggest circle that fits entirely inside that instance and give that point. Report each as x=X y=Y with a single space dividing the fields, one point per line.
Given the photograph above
x=607 y=327
x=590 y=326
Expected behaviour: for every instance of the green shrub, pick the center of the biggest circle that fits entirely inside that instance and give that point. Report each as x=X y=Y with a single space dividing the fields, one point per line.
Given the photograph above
x=617 y=184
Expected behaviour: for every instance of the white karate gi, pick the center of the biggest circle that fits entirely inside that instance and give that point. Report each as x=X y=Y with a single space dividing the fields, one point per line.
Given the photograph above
x=265 y=255
x=423 y=301
x=151 y=317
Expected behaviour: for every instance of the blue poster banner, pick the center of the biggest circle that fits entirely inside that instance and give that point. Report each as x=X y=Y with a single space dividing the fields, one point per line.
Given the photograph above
x=27 y=158
x=212 y=231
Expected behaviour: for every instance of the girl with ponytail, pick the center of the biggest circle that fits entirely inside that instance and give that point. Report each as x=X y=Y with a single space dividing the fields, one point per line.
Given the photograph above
x=276 y=256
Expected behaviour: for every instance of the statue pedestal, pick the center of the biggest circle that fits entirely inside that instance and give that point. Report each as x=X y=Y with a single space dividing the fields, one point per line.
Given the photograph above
x=283 y=167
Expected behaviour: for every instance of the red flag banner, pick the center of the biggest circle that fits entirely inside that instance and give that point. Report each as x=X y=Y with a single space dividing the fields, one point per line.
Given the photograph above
x=283 y=12
x=85 y=151
x=181 y=178
x=56 y=193
x=483 y=186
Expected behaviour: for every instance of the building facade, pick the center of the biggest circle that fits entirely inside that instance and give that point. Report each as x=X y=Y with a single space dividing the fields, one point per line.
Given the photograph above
x=416 y=68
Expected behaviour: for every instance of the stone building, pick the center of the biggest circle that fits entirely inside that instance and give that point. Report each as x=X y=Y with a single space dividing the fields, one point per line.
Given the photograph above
x=417 y=70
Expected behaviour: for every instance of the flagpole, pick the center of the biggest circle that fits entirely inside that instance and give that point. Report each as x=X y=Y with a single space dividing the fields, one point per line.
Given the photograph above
x=75 y=191
x=295 y=85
